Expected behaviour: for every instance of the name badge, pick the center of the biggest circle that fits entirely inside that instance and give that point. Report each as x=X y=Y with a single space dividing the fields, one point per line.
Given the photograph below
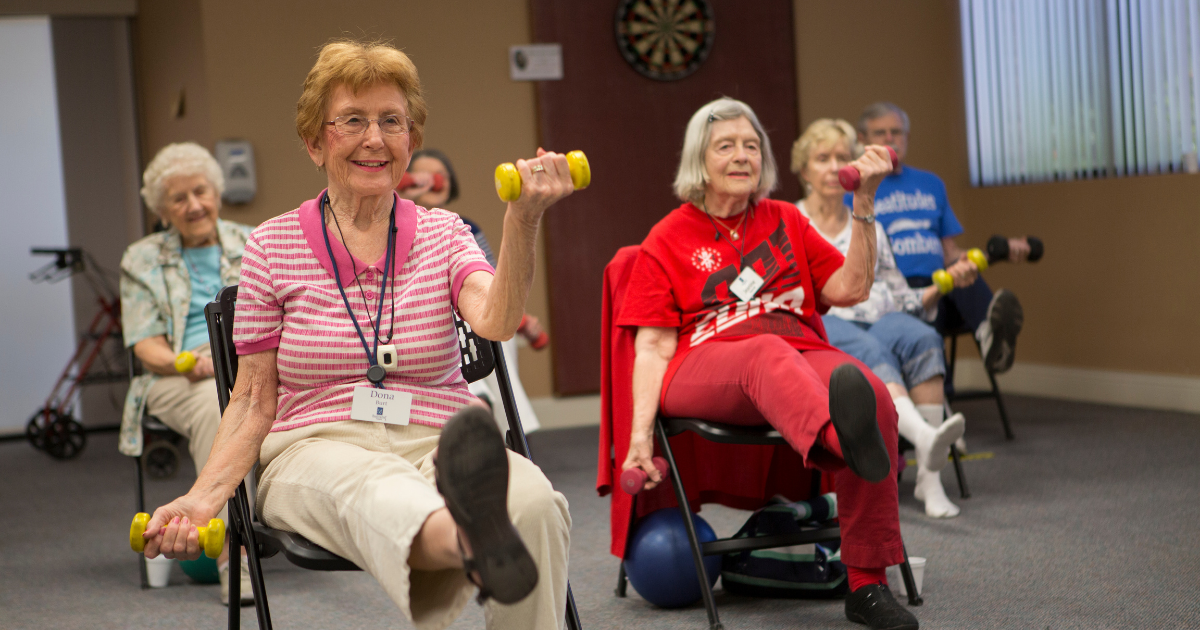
x=746 y=285
x=372 y=404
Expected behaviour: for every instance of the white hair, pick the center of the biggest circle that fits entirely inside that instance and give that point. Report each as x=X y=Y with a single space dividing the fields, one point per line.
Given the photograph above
x=180 y=158
x=692 y=178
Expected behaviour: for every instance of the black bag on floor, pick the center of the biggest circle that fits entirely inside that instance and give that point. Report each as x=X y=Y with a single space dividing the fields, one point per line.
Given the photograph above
x=801 y=572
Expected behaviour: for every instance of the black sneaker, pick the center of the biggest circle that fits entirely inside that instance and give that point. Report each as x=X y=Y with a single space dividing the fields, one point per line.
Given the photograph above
x=874 y=606
x=998 y=334
x=852 y=410
x=472 y=475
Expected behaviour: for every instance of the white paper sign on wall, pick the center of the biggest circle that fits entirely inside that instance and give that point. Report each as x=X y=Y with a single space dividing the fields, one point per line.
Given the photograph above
x=535 y=62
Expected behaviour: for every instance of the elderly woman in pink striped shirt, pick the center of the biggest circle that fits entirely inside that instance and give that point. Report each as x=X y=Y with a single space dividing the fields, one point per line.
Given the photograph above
x=349 y=393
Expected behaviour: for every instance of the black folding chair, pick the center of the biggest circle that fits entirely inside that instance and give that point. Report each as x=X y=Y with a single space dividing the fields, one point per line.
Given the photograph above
x=479 y=357
x=954 y=394
x=665 y=428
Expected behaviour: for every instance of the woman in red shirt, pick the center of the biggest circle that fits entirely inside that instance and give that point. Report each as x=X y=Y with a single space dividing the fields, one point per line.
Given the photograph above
x=726 y=296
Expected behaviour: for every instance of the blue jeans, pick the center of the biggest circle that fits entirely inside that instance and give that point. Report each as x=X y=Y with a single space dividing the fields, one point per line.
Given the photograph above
x=899 y=348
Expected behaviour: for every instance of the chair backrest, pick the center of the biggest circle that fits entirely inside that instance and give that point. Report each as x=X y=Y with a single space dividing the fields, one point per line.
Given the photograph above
x=480 y=357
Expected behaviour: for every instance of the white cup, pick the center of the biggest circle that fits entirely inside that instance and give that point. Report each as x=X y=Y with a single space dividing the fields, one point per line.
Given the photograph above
x=158 y=571
x=896 y=578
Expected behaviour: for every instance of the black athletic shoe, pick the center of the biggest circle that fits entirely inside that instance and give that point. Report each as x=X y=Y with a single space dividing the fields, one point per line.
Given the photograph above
x=472 y=475
x=998 y=334
x=852 y=410
x=874 y=606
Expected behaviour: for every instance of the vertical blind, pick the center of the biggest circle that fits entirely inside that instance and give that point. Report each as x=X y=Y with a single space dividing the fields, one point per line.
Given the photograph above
x=1069 y=89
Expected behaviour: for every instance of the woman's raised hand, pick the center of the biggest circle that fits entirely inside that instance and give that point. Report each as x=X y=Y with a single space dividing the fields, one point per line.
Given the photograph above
x=963 y=271
x=172 y=530
x=545 y=180
x=873 y=165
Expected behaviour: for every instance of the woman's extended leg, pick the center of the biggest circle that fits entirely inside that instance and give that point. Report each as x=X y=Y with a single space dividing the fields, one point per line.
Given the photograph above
x=764 y=380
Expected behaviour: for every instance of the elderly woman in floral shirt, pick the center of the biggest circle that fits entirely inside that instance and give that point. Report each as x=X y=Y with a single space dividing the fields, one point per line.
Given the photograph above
x=166 y=279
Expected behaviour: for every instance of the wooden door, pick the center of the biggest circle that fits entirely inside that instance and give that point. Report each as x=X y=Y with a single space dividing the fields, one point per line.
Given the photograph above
x=631 y=128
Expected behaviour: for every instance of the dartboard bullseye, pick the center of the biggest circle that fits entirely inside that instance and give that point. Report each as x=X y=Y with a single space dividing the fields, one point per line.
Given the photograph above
x=664 y=39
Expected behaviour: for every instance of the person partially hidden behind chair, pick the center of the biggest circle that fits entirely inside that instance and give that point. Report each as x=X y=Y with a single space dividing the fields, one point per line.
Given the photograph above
x=916 y=214
x=349 y=448
x=726 y=295
x=166 y=279
x=884 y=332
x=427 y=164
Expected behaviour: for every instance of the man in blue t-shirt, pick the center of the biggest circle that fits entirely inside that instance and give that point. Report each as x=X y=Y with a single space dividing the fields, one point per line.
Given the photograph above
x=911 y=205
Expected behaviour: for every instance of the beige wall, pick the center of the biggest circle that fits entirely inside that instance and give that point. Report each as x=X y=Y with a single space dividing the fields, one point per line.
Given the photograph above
x=1118 y=289
x=243 y=77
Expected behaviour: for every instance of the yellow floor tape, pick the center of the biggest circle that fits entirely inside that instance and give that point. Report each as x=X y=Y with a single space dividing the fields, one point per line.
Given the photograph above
x=970 y=457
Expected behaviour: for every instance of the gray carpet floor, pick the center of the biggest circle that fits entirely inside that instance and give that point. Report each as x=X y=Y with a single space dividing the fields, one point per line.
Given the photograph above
x=1089 y=519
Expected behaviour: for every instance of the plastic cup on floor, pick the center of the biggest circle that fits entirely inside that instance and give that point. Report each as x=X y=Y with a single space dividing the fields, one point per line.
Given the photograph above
x=896 y=577
x=158 y=571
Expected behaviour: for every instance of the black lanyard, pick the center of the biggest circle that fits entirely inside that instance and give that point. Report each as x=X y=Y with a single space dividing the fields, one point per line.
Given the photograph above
x=375 y=373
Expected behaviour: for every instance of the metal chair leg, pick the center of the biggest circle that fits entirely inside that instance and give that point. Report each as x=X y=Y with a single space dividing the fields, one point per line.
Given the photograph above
x=710 y=605
x=235 y=572
x=910 y=584
x=572 y=612
x=256 y=579
x=1008 y=433
x=141 y=507
x=963 y=491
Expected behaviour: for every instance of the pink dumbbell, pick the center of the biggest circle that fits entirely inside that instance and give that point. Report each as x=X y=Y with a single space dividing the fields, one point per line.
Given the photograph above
x=850 y=179
x=633 y=479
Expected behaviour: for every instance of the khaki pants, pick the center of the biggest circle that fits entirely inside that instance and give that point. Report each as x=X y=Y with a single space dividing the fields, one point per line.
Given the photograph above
x=363 y=490
x=191 y=410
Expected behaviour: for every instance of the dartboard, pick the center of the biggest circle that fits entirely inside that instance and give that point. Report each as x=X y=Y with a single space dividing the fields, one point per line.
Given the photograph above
x=664 y=39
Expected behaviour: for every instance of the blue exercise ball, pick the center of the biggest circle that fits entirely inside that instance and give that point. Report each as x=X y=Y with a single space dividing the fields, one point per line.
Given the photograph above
x=202 y=569
x=658 y=559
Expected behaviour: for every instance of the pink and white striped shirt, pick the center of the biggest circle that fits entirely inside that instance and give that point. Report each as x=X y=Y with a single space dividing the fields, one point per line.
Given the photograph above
x=288 y=300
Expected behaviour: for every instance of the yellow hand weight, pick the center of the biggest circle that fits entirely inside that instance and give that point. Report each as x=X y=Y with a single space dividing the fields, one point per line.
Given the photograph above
x=212 y=538
x=185 y=362
x=508 y=179
x=945 y=283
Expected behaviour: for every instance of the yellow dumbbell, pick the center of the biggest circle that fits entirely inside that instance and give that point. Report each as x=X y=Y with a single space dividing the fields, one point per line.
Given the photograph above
x=943 y=280
x=508 y=179
x=185 y=362
x=212 y=538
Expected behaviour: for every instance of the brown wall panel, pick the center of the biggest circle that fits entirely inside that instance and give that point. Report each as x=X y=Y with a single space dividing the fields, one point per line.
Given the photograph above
x=632 y=130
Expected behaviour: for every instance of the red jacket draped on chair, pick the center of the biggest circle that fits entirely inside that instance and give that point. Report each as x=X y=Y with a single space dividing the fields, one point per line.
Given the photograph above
x=737 y=475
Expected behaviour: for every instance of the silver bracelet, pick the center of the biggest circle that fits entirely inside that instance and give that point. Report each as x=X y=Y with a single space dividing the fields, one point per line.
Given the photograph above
x=868 y=220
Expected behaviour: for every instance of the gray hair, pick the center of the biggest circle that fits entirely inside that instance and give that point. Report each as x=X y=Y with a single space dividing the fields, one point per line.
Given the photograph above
x=879 y=110
x=180 y=158
x=692 y=177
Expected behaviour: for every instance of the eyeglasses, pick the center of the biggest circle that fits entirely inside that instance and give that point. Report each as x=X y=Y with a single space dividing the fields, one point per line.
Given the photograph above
x=354 y=124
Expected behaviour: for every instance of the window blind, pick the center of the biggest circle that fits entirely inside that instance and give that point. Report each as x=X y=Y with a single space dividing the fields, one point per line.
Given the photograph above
x=1074 y=89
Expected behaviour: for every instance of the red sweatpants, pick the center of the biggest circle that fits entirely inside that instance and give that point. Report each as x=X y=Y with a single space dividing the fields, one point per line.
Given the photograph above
x=763 y=380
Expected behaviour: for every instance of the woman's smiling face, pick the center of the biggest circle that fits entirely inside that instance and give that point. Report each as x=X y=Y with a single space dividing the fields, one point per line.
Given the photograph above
x=733 y=158
x=371 y=163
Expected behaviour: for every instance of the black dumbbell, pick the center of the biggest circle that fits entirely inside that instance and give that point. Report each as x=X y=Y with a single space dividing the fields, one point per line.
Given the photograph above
x=997 y=248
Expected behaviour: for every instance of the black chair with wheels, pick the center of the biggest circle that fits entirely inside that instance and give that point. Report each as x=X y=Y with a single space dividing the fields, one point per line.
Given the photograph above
x=479 y=358
x=664 y=428
x=954 y=394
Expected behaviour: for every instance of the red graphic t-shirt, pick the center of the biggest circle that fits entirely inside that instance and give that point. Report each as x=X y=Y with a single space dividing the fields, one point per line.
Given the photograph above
x=683 y=275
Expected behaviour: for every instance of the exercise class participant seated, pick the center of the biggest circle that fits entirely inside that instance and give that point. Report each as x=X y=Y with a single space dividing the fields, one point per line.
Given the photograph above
x=884 y=332
x=425 y=166
x=915 y=213
x=726 y=295
x=166 y=279
x=383 y=465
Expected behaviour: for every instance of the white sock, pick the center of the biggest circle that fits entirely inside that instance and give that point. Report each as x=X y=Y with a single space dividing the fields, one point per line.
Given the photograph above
x=929 y=489
x=935 y=437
